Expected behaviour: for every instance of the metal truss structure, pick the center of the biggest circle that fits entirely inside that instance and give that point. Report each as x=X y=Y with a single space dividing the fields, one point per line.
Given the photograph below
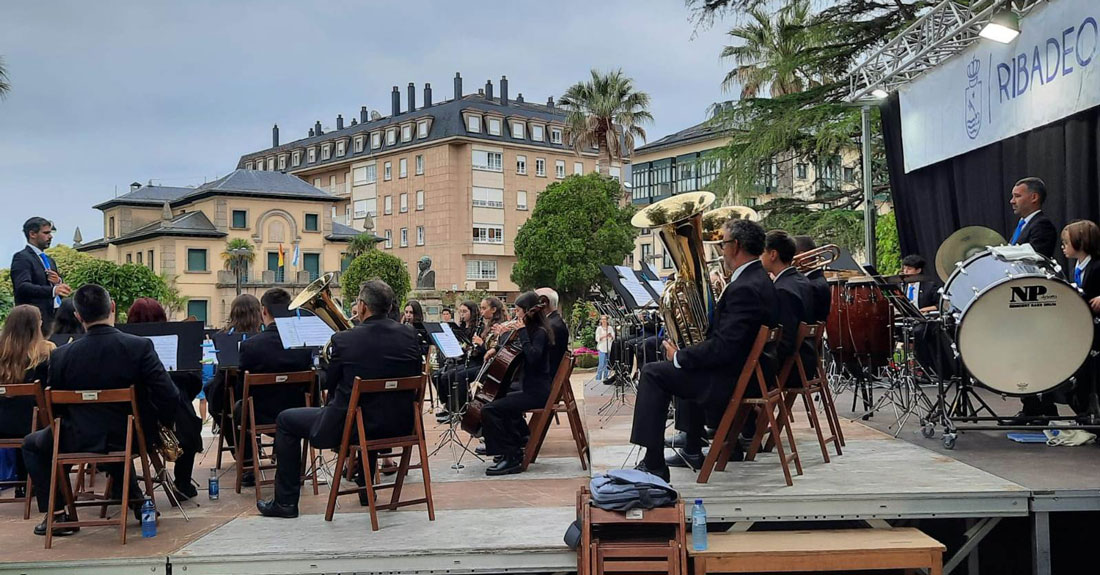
x=947 y=29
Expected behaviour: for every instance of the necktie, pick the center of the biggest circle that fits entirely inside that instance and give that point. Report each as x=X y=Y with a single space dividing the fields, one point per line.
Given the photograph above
x=1019 y=228
x=1077 y=276
x=913 y=293
x=46 y=264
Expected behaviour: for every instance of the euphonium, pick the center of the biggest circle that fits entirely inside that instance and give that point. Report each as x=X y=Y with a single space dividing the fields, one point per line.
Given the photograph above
x=713 y=222
x=687 y=301
x=317 y=298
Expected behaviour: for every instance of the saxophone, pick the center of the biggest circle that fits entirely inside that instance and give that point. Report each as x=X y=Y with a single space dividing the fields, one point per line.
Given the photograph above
x=687 y=301
x=169 y=447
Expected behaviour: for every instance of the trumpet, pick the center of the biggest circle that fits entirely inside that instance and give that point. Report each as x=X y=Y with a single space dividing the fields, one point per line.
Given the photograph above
x=816 y=259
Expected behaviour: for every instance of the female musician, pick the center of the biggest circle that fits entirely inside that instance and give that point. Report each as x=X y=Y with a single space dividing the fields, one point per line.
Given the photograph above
x=491 y=311
x=503 y=423
x=1081 y=242
x=188 y=425
x=24 y=358
x=64 y=321
x=414 y=313
x=604 y=336
x=245 y=317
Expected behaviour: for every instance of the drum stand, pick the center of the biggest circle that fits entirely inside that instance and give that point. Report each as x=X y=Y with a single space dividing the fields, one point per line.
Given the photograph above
x=904 y=394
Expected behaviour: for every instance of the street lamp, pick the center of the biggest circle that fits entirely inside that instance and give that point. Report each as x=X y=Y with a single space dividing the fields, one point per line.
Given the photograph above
x=238 y=255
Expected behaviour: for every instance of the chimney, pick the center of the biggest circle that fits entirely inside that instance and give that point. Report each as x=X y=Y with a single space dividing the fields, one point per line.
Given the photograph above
x=411 y=91
x=519 y=98
x=458 y=86
x=427 y=95
x=395 y=100
x=311 y=132
x=339 y=121
x=135 y=186
x=550 y=102
x=275 y=136
x=363 y=115
x=504 y=90
x=317 y=128
x=488 y=89
x=354 y=121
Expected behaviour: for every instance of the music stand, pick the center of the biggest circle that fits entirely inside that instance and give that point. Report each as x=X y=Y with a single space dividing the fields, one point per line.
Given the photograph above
x=448 y=343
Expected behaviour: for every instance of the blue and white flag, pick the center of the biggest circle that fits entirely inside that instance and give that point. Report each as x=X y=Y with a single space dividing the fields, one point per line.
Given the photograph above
x=294 y=260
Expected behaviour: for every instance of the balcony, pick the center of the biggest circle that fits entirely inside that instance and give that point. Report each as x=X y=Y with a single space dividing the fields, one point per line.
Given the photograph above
x=269 y=279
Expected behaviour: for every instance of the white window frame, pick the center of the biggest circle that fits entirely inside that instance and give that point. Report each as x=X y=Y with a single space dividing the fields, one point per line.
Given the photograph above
x=364 y=175
x=389 y=239
x=248 y=165
x=559 y=169
x=317 y=183
x=493 y=126
x=419 y=235
x=422 y=129
x=341 y=149
x=387 y=171
x=358 y=145
x=479 y=270
x=420 y=164
x=407 y=133
x=271 y=164
x=521 y=200
x=375 y=140
x=487 y=197
x=296 y=158
x=387 y=205
x=403 y=202
x=359 y=209
x=473 y=123
x=518 y=130
x=486 y=235
x=540 y=167
x=311 y=155
x=578 y=168
x=538 y=132
x=403 y=168
x=555 y=135
x=493 y=161
x=419 y=200
x=404 y=237
x=391 y=136
x=282 y=162
x=326 y=152
x=521 y=165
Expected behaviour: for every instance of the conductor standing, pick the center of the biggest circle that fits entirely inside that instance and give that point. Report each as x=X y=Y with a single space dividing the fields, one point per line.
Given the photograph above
x=34 y=274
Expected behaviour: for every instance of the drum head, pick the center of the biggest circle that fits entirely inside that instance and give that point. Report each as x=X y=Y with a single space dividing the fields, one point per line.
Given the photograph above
x=1025 y=335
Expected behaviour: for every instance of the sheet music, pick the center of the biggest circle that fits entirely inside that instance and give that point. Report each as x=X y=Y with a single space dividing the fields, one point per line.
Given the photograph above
x=167 y=348
x=447 y=342
x=304 y=331
x=657 y=285
x=624 y=272
x=653 y=271
x=637 y=290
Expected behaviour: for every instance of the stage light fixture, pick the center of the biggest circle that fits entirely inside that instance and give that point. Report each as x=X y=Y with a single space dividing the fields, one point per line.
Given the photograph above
x=1003 y=27
x=880 y=93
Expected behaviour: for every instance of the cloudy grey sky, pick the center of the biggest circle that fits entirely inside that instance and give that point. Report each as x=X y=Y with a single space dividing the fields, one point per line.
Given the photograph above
x=105 y=93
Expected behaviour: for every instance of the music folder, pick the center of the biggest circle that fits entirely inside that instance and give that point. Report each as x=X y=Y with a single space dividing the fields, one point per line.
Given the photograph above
x=445 y=339
x=178 y=343
x=303 y=331
x=228 y=348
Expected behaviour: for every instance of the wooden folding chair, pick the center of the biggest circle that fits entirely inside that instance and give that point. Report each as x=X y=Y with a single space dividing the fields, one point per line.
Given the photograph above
x=738 y=409
x=772 y=398
x=253 y=432
x=810 y=385
x=38 y=416
x=362 y=447
x=561 y=399
x=225 y=419
x=61 y=460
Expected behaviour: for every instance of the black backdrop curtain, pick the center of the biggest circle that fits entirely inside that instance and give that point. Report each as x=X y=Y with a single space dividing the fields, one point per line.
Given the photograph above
x=973 y=189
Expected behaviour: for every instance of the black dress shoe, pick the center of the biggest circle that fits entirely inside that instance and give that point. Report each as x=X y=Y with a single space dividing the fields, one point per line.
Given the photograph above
x=1025 y=418
x=680 y=439
x=442 y=416
x=248 y=479
x=64 y=531
x=498 y=458
x=480 y=450
x=684 y=459
x=507 y=466
x=272 y=508
x=662 y=472
x=20 y=492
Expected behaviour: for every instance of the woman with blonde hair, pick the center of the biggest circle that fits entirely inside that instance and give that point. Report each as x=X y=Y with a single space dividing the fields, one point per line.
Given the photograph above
x=24 y=358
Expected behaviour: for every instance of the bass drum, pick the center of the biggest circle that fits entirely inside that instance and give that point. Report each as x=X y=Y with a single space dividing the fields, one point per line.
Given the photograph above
x=859 y=323
x=1020 y=329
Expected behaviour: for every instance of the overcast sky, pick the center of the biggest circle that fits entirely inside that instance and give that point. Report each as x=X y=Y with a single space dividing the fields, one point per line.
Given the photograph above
x=105 y=93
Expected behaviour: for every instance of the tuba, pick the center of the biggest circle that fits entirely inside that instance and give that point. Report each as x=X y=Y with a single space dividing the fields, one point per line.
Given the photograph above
x=317 y=298
x=687 y=301
x=713 y=221
x=816 y=259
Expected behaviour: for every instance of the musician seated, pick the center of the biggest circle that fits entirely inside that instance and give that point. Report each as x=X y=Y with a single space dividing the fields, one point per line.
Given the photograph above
x=24 y=358
x=376 y=348
x=264 y=353
x=245 y=317
x=704 y=374
x=468 y=311
x=823 y=297
x=188 y=427
x=796 y=301
x=643 y=347
x=80 y=365
x=1081 y=242
x=542 y=342
x=462 y=375
x=932 y=346
x=64 y=321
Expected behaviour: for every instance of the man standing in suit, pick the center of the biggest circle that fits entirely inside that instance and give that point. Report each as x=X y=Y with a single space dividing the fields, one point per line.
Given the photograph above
x=34 y=274
x=823 y=295
x=105 y=358
x=377 y=348
x=264 y=353
x=1035 y=228
x=704 y=374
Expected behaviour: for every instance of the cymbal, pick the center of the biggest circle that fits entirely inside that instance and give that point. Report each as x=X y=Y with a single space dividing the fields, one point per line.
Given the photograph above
x=961 y=245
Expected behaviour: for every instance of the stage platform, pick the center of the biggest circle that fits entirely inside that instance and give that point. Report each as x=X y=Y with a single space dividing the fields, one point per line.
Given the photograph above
x=515 y=524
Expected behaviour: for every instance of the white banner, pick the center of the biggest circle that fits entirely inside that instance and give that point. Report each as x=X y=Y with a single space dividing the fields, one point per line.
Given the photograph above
x=994 y=91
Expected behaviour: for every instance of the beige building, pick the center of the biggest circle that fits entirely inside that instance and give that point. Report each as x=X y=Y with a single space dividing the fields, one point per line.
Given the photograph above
x=685 y=162
x=451 y=180
x=181 y=233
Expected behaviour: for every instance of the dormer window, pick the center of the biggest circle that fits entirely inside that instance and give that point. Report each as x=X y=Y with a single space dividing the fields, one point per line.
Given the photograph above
x=358 y=145
x=473 y=123
x=296 y=159
x=282 y=162
x=326 y=152
x=494 y=126
x=391 y=136
x=248 y=165
x=517 y=130
x=555 y=135
x=422 y=129
x=537 y=132
x=271 y=164
x=340 y=148
x=407 y=133
x=311 y=155
x=376 y=140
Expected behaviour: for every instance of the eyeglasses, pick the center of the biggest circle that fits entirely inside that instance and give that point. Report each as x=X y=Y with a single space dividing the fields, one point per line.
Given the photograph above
x=724 y=242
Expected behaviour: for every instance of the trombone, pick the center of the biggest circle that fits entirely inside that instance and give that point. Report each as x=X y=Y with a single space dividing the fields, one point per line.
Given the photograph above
x=816 y=259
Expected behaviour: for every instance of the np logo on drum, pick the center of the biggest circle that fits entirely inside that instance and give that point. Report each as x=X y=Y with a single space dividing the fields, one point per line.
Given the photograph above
x=1031 y=296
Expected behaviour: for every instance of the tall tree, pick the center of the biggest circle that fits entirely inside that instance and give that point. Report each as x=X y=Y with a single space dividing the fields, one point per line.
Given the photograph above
x=361 y=244
x=577 y=225
x=767 y=51
x=239 y=253
x=5 y=84
x=605 y=113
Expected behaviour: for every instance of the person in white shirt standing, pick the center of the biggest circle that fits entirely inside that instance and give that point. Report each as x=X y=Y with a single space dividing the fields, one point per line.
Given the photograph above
x=604 y=336
x=34 y=275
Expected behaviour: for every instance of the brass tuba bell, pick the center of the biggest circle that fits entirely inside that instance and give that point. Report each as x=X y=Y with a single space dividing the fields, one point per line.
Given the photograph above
x=317 y=298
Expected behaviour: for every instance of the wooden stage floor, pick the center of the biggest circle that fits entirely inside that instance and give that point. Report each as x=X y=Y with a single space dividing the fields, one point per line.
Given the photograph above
x=516 y=523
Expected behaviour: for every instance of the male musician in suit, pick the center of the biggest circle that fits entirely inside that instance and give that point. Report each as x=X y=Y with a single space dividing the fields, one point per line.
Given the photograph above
x=1035 y=228
x=377 y=348
x=264 y=353
x=823 y=297
x=932 y=346
x=796 y=300
x=704 y=374
x=924 y=293
x=81 y=365
x=34 y=275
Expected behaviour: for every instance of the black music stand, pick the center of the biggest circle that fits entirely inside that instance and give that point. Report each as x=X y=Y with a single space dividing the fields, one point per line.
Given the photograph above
x=449 y=343
x=189 y=338
x=228 y=348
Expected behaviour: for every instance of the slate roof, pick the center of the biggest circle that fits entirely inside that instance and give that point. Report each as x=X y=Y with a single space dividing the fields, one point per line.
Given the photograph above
x=236 y=183
x=189 y=224
x=707 y=130
x=447 y=122
x=342 y=233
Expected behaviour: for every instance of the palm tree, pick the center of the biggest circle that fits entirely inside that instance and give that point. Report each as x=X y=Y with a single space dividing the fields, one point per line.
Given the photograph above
x=605 y=113
x=769 y=52
x=360 y=245
x=5 y=85
x=238 y=255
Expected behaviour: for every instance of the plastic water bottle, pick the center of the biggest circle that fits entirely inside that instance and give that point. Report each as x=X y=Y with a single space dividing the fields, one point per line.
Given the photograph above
x=699 y=526
x=213 y=488
x=148 y=518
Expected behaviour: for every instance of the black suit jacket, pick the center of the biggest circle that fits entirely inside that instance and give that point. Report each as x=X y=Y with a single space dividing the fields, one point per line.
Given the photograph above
x=796 y=306
x=28 y=279
x=928 y=293
x=1090 y=289
x=1041 y=234
x=375 y=349
x=823 y=295
x=16 y=412
x=106 y=358
x=744 y=306
x=541 y=357
x=264 y=353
